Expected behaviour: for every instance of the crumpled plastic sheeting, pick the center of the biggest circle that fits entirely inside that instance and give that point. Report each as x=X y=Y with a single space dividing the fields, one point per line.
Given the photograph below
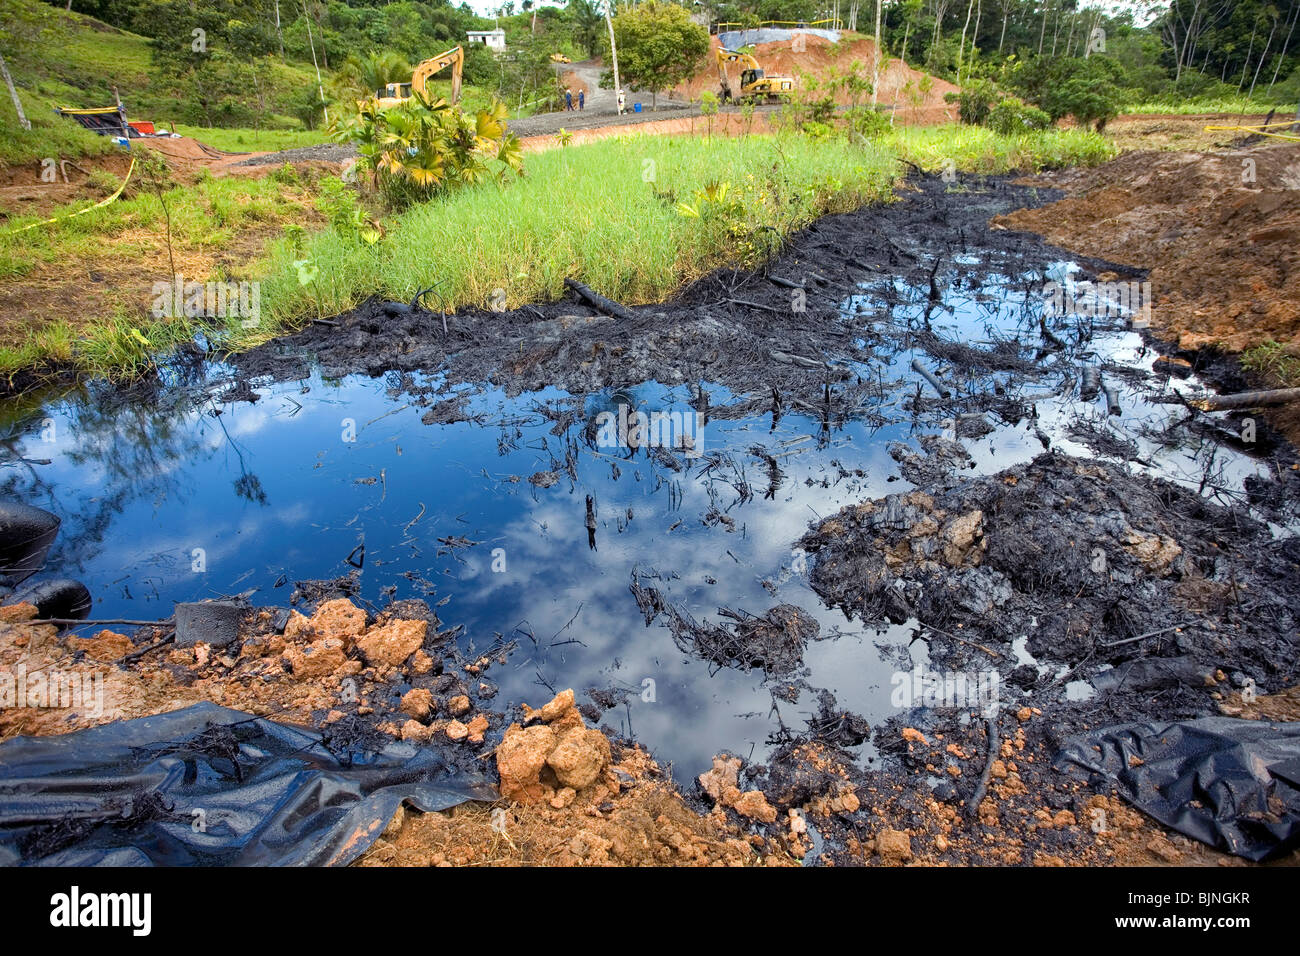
x=208 y=786
x=1242 y=775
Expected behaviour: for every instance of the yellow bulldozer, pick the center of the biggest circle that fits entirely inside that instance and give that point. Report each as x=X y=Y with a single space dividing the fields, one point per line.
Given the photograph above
x=395 y=93
x=754 y=83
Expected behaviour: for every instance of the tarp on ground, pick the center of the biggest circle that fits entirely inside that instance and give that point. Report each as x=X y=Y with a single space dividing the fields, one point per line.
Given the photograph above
x=738 y=38
x=209 y=786
x=106 y=119
x=1233 y=784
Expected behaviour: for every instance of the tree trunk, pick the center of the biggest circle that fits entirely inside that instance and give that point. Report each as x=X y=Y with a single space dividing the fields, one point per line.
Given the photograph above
x=961 y=46
x=320 y=86
x=613 y=52
x=1003 y=36
x=278 y=32
x=875 y=68
x=23 y=121
x=1262 y=57
x=1249 y=50
x=1286 y=43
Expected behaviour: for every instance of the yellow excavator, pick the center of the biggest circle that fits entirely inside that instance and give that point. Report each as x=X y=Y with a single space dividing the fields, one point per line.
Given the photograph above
x=754 y=83
x=395 y=93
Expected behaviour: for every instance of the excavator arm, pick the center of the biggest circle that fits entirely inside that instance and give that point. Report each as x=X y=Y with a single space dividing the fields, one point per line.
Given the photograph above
x=399 y=92
x=753 y=81
x=455 y=58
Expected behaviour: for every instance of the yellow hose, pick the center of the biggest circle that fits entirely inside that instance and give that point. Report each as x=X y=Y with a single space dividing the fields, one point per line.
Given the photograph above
x=1261 y=129
x=105 y=202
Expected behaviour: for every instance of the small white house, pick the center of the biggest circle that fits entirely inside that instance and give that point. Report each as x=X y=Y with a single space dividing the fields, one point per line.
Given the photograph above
x=492 y=39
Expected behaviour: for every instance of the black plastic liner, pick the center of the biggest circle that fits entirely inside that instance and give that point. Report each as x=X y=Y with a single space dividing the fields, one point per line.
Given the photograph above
x=26 y=534
x=209 y=786
x=1233 y=784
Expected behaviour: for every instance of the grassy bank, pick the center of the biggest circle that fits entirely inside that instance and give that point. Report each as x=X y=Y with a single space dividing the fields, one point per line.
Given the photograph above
x=607 y=213
x=634 y=217
x=203 y=217
x=1225 y=104
x=589 y=212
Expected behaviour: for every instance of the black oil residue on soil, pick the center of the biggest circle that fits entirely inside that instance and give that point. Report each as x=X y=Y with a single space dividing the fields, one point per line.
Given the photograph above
x=892 y=381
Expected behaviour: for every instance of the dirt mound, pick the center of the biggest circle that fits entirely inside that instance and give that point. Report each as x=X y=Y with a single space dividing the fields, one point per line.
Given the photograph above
x=1127 y=573
x=1220 y=233
x=899 y=83
x=183 y=151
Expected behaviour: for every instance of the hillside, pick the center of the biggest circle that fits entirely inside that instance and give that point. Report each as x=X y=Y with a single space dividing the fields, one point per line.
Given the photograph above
x=81 y=61
x=916 y=96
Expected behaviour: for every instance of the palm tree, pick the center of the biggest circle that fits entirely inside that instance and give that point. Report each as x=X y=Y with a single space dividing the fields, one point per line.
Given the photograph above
x=370 y=73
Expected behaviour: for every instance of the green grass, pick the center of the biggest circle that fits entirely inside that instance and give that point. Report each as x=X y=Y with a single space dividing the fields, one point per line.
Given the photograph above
x=585 y=212
x=1218 y=104
x=978 y=149
x=207 y=215
x=1277 y=367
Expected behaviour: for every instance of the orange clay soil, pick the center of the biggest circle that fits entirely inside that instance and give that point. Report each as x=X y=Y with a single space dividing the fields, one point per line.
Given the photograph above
x=570 y=794
x=1220 y=233
x=819 y=56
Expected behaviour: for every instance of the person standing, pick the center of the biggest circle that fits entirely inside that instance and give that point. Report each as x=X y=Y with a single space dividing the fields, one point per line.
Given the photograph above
x=582 y=99
x=568 y=100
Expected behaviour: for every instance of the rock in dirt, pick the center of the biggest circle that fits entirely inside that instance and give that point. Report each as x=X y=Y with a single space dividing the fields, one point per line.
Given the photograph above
x=561 y=752
x=521 y=758
x=208 y=622
x=580 y=757
x=317 y=659
x=753 y=804
x=393 y=643
x=477 y=728
x=338 y=618
x=418 y=703
x=722 y=778
x=894 y=847
x=105 y=646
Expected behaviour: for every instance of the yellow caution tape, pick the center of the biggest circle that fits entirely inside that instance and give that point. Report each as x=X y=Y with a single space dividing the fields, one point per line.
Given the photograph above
x=79 y=212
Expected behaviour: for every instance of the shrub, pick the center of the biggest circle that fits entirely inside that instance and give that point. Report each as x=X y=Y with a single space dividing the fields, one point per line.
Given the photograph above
x=422 y=148
x=974 y=101
x=1013 y=116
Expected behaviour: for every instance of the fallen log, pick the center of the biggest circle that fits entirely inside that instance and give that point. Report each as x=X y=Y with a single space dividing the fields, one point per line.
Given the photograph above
x=995 y=747
x=595 y=299
x=785 y=283
x=789 y=359
x=753 y=305
x=1112 y=398
x=1260 y=399
x=1090 y=384
x=1052 y=339
x=921 y=370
